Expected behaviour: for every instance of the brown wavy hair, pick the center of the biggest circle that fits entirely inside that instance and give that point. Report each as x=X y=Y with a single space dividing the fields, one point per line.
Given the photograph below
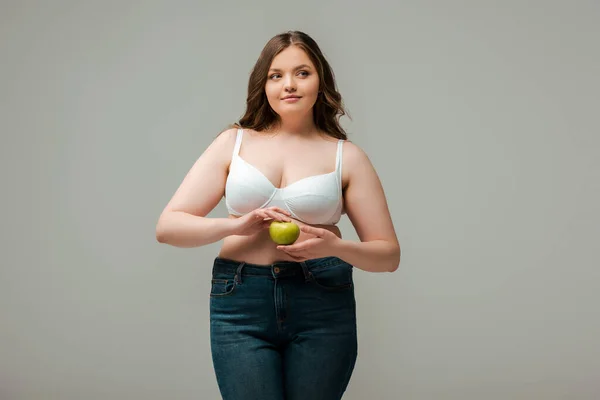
x=327 y=110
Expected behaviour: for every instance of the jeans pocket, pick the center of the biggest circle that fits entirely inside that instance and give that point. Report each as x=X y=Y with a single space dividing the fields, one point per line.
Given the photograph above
x=333 y=278
x=222 y=287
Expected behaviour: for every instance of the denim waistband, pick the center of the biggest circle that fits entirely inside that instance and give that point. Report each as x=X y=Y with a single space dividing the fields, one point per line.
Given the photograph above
x=276 y=269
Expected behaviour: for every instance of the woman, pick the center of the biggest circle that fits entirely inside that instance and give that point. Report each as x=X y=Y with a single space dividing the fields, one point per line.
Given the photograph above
x=283 y=322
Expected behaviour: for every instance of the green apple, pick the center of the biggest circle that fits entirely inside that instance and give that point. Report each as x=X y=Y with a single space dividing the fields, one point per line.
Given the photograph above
x=284 y=232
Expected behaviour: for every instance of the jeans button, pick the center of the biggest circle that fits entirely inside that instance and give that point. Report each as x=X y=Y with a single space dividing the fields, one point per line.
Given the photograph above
x=276 y=269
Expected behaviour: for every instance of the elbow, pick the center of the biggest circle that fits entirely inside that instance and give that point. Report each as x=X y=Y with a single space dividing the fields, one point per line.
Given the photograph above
x=160 y=231
x=160 y=236
x=395 y=258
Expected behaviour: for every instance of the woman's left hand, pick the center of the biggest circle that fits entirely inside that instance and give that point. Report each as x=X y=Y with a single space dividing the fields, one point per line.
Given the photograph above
x=324 y=244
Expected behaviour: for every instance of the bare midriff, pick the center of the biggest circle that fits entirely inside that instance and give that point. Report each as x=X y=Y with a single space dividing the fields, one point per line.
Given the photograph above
x=260 y=249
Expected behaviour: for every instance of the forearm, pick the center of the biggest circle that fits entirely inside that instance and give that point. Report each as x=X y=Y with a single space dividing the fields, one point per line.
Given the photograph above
x=181 y=229
x=372 y=256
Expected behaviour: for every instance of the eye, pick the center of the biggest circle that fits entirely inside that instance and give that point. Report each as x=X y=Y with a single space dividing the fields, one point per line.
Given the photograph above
x=304 y=72
x=273 y=76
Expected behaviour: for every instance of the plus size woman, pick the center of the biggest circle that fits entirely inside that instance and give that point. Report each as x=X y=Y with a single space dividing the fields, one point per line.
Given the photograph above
x=283 y=317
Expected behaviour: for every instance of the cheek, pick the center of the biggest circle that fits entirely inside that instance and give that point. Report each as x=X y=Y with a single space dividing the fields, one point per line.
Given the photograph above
x=271 y=96
x=272 y=92
x=312 y=88
x=311 y=84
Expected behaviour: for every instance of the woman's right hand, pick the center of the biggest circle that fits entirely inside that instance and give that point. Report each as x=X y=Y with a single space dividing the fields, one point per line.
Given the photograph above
x=259 y=219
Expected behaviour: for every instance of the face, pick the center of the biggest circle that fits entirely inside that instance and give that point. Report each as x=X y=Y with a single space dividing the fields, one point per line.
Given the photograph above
x=292 y=74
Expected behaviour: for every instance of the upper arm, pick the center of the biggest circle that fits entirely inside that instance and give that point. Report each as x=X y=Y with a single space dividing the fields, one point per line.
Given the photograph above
x=364 y=198
x=204 y=184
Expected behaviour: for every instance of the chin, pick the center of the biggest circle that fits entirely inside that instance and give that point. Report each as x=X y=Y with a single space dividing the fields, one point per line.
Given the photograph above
x=293 y=113
x=293 y=109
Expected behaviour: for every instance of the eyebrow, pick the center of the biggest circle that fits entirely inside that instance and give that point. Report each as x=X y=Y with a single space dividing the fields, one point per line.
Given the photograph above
x=298 y=67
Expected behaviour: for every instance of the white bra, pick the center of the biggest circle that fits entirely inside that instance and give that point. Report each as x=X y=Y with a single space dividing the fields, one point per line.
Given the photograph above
x=315 y=200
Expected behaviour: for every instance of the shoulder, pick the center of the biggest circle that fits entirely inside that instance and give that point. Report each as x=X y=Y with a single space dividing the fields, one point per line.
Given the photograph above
x=353 y=155
x=219 y=151
x=355 y=163
x=225 y=138
x=224 y=143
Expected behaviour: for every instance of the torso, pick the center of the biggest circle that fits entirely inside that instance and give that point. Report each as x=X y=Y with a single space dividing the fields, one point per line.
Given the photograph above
x=259 y=248
x=274 y=157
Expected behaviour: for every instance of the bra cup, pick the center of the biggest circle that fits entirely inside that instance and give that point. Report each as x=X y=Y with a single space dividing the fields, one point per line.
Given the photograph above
x=313 y=209
x=241 y=197
x=315 y=200
x=245 y=190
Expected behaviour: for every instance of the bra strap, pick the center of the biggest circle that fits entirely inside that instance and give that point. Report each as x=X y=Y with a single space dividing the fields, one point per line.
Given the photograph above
x=338 y=158
x=238 y=141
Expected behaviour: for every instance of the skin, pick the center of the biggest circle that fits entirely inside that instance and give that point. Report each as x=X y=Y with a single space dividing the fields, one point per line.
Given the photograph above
x=293 y=150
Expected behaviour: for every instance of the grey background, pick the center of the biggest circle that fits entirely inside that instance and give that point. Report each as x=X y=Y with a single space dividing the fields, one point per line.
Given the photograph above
x=480 y=117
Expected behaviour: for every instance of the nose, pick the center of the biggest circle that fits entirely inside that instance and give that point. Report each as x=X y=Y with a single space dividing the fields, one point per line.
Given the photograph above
x=290 y=84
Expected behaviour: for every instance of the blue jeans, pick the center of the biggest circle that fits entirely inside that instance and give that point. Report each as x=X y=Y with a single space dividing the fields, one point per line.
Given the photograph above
x=285 y=331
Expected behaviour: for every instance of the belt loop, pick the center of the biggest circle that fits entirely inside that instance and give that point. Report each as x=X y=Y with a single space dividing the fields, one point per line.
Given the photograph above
x=238 y=273
x=307 y=274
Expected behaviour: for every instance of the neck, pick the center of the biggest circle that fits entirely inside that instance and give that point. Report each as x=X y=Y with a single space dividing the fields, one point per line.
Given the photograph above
x=296 y=126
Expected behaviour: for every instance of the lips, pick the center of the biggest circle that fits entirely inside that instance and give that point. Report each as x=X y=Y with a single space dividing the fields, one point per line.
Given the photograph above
x=291 y=97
